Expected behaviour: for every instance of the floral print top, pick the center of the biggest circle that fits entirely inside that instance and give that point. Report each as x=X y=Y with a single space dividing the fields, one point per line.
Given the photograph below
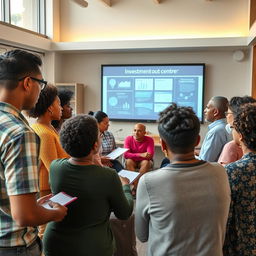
x=241 y=228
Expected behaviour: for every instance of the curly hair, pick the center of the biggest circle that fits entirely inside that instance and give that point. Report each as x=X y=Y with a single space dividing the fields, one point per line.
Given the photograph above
x=65 y=96
x=245 y=124
x=235 y=103
x=46 y=98
x=179 y=128
x=78 y=135
x=16 y=64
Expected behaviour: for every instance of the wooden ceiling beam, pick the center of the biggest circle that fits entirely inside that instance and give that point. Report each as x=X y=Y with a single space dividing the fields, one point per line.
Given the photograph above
x=107 y=2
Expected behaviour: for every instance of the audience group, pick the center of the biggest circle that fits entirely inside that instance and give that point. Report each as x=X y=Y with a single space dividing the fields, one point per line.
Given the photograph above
x=197 y=203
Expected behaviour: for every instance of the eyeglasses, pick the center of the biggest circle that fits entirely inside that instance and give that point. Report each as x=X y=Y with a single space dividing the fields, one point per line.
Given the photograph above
x=41 y=82
x=228 y=113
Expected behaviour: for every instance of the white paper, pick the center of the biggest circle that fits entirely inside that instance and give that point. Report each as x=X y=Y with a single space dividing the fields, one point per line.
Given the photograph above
x=61 y=198
x=129 y=174
x=116 y=153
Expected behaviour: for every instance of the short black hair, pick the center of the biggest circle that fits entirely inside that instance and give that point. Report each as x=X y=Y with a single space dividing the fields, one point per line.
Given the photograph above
x=45 y=100
x=245 y=124
x=17 y=64
x=78 y=135
x=99 y=115
x=236 y=102
x=179 y=127
x=221 y=103
x=65 y=96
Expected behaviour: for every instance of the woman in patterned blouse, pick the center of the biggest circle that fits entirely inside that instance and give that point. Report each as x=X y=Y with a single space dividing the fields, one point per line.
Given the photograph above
x=108 y=140
x=241 y=228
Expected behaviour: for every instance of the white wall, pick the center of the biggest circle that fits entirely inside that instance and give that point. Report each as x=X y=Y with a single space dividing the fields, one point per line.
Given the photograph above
x=224 y=76
x=145 y=19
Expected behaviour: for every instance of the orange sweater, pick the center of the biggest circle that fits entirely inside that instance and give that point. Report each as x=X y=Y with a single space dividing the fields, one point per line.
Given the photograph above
x=50 y=149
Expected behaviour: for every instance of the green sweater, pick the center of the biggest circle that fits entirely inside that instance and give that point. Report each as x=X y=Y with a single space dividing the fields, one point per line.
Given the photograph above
x=86 y=229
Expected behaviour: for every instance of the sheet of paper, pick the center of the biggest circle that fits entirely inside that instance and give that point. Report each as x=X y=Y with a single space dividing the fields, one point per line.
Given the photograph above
x=116 y=153
x=61 y=198
x=129 y=174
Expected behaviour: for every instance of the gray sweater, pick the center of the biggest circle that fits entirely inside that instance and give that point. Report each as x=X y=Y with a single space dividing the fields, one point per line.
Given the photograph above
x=182 y=210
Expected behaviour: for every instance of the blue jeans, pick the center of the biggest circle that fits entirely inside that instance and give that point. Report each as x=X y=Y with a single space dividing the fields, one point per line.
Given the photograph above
x=35 y=249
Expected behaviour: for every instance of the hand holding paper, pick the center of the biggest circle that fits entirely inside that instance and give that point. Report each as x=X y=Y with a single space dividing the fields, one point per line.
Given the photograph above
x=129 y=174
x=116 y=153
x=60 y=198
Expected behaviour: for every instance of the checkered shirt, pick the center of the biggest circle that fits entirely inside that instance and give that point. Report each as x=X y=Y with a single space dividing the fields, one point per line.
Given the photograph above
x=108 y=143
x=19 y=160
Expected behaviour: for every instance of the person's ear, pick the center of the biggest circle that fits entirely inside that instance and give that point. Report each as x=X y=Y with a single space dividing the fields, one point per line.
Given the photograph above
x=164 y=147
x=26 y=82
x=50 y=109
x=240 y=138
x=216 y=112
x=96 y=147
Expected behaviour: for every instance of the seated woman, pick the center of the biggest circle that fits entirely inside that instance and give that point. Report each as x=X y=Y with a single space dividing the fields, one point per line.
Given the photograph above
x=86 y=229
x=232 y=151
x=240 y=234
x=108 y=140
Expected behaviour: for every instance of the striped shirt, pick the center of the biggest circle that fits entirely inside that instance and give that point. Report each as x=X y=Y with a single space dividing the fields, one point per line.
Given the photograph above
x=19 y=160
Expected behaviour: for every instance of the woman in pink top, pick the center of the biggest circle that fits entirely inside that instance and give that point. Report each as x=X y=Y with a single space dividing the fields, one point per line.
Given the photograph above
x=232 y=151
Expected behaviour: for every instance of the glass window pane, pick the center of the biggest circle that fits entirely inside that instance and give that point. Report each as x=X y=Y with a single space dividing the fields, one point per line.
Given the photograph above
x=1 y=11
x=24 y=13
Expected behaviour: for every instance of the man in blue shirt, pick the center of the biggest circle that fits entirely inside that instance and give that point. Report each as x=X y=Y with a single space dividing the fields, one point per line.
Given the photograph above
x=217 y=135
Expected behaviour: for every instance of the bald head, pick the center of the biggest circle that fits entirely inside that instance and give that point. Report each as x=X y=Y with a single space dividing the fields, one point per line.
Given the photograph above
x=139 y=131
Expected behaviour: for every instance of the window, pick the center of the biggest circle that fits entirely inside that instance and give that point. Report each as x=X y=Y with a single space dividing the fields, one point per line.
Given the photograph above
x=1 y=11
x=24 y=14
x=28 y=14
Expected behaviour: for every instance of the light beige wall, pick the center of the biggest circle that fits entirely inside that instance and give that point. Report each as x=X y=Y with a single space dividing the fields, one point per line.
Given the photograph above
x=224 y=76
x=146 y=19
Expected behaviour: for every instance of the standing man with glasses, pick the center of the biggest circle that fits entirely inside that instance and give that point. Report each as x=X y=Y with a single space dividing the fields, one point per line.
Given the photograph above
x=217 y=136
x=20 y=84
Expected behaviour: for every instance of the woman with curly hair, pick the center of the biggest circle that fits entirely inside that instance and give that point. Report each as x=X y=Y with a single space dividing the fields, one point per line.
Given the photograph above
x=182 y=209
x=100 y=191
x=241 y=227
x=46 y=110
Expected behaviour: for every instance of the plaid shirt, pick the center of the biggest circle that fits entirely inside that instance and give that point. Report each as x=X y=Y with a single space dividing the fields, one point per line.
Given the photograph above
x=108 y=143
x=19 y=159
